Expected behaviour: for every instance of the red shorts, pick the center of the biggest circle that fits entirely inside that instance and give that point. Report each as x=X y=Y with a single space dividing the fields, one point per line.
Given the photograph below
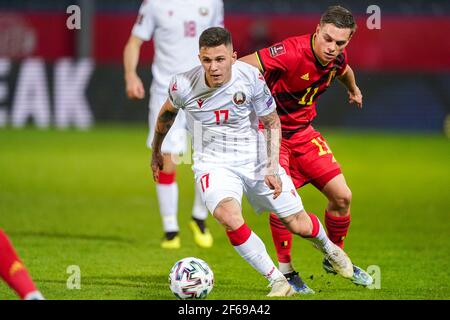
x=307 y=158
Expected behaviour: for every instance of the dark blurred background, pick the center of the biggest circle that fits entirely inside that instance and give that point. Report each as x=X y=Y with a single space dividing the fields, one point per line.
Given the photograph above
x=51 y=76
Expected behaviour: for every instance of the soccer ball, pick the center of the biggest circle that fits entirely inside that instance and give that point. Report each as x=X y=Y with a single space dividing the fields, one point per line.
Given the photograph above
x=191 y=278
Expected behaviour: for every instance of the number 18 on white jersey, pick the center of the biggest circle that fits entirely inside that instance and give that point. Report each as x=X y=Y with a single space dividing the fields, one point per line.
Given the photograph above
x=175 y=26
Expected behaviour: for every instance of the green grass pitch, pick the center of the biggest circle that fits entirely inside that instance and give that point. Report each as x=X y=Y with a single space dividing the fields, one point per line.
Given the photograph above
x=88 y=199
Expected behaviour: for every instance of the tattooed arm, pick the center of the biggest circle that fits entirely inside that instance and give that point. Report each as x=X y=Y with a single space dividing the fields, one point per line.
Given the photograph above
x=165 y=121
x=272 y=127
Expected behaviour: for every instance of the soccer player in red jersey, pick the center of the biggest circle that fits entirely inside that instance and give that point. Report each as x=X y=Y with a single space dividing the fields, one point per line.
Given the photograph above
x=13 y=272
x=298 y=70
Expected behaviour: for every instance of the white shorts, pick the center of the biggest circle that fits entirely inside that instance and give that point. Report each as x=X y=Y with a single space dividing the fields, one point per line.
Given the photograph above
x=222 y=183
x=175 y=141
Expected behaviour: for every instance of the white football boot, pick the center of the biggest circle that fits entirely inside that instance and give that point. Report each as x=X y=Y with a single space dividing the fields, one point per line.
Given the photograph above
x=340 y=261
x=280 y=288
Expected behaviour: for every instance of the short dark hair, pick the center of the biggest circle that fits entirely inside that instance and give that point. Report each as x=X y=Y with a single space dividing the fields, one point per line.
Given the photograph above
x=340 y=17
x=214 y=37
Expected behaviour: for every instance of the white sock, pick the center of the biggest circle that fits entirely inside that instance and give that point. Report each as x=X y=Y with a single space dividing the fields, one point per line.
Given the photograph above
x=254 y=252
x=35 y=295
x=285 y=267
x=199 y=210
x=322 y=241
x=168 y=205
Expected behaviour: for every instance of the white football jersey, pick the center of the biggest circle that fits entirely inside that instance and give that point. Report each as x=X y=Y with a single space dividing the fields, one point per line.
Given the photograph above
x=175 y=26
x=223 y=121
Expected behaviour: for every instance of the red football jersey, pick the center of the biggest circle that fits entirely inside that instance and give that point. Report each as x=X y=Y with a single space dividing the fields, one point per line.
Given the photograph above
x=297 y=78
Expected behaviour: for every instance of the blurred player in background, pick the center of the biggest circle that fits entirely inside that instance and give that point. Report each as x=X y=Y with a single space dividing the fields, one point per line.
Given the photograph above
x=223 y=100
x=175 y=26
x=13 y=272
x=298 y=70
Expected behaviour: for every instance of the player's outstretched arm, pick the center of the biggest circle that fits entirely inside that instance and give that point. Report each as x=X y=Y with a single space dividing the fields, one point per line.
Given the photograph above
x=349 y=81
x=272 y=128
x=134 y=86
x=165 y=121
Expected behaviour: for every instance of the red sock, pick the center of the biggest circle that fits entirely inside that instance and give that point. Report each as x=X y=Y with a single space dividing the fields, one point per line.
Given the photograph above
x=240 y=235
x=316 y=225
x=166 y=178
x=282 y=239
x=337 y=228
x=12 y=270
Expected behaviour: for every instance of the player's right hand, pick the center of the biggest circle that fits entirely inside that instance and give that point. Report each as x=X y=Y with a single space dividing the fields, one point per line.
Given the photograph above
x=273 y=181
x=157 y=164
x=355 y=96
x=134 y=87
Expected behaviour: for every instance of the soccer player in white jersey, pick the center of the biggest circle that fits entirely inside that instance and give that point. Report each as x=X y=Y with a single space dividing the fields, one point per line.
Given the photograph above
x=223 y=100
x=175 y=26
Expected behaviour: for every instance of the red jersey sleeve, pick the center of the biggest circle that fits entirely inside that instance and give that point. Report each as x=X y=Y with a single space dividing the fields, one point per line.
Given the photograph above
x=342 y=63
x=280 y=56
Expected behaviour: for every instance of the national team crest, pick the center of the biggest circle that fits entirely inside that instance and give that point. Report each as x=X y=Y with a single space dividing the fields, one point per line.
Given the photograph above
x=239 y=98
x=203 y=11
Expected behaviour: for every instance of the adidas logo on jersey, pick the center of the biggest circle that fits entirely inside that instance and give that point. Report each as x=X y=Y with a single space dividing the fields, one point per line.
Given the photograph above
x=305 y=76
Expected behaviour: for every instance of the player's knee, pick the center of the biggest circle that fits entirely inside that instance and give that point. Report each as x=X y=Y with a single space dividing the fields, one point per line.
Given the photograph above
x=343 y=199
x=228 y=214
x=346 y=198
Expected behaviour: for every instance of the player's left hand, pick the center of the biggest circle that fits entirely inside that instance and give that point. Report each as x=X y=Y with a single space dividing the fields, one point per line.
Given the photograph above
x=355 y=96
x=157 y=164
x=273 y=181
